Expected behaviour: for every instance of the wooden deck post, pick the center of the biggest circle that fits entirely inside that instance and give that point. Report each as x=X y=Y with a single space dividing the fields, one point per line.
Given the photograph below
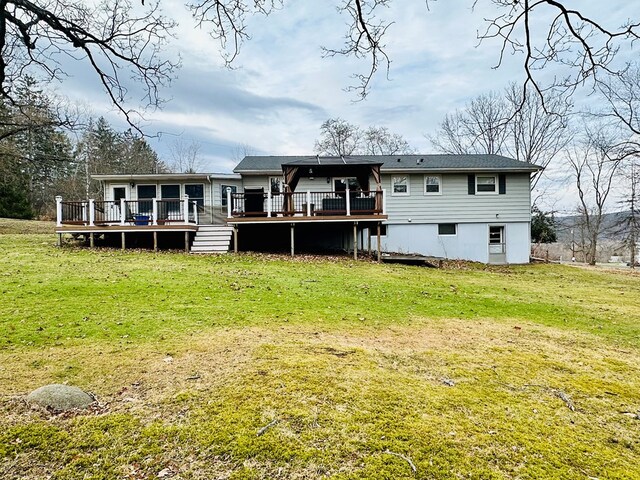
x=92 y=240
x=235 y=235
x=292 y=239
x=59 y=239
x=124 y=243
x=355 y=240
x=185 y=209
x=269 y=202
x=229 y=206
x=186 y=242
x=348 y=199
x=155 y=241
x=379 y=247
x=154 y=211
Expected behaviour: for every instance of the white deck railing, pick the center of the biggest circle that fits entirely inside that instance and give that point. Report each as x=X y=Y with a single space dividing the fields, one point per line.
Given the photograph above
x=150 y=211
x=309 y=204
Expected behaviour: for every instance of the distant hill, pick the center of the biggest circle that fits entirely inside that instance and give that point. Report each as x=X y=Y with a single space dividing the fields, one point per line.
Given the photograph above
x=611 y=228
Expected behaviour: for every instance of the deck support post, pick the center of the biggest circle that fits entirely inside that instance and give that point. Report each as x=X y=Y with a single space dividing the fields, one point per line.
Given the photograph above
x=155 y=241
x=235 y=236
x=369 y=240
x=355 y=240
x=229 y=206
x=379 y=248
x=185 y=209
x=92 y=240
x=293 y=225
x=186 y=242
x=58 y=211
x=308 y=203
x=155 y=211
x=123 y=240
x=59 y=239
x=269 y=202
x=384 y=201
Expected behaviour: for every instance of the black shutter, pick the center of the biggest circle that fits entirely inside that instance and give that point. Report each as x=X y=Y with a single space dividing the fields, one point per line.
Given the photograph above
x=472 y=184
x=502 y=184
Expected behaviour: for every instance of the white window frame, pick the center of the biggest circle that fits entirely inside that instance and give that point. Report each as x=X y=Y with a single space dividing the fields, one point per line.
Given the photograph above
x=424 y=183
x=393 y=183
x=455 y=225
x=495 y=184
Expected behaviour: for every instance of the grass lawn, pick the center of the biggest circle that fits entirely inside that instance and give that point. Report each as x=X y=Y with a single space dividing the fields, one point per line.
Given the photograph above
x=357 y=370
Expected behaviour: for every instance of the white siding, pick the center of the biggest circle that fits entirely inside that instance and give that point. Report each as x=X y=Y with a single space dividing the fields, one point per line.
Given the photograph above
x=456 y=205
x=470 y=243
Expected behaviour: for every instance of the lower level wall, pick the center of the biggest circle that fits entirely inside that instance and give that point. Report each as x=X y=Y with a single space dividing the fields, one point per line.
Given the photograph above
x=471 y=241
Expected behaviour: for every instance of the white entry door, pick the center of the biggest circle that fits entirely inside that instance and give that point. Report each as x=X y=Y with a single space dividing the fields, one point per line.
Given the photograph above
x=497 y=244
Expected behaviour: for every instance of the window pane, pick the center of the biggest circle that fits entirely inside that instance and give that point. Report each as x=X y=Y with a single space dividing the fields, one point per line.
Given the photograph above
x=170 y=191
x=146 y=191
x=400 y=185
x=432 y=184
x=495 y=235
x=195 y=191
x=446 y=229
x=486 y=184
x=223 y=188
x=276 y=185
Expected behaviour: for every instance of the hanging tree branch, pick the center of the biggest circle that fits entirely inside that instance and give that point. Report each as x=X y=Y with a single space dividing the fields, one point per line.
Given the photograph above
x=37 y=37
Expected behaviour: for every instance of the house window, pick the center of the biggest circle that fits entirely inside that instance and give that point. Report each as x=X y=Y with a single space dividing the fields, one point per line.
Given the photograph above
x=496 y=239
x=486 y=184
x=195 y=191
x=400 y=185
x=223 y=193
x=447 y=229
x=276 y=185
x=145 y=194
x=432 y=185
x=170 y=192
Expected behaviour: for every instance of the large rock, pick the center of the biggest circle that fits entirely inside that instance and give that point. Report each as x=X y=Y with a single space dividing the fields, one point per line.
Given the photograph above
x=60 y=397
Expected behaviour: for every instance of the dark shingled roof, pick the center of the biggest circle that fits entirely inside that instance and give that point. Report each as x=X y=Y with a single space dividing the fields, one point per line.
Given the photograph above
x=443 y=163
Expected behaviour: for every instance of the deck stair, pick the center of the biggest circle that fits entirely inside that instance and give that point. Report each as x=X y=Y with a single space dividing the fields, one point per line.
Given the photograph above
x=212 y=239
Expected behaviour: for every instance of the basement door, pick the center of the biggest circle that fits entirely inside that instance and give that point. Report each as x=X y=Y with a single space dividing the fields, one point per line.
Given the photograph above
x=497 y=244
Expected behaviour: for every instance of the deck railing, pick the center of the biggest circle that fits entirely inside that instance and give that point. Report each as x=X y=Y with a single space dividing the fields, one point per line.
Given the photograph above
x=309 y=204
x=150 y=211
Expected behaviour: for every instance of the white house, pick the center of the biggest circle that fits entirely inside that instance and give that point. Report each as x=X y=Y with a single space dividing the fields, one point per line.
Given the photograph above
x=473 y=207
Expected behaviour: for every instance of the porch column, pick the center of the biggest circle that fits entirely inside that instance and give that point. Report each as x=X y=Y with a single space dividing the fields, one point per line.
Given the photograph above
x=348 y=200
x=123 y=211
x=379 y=247
x=185 y=209
x=229 y=206
x=58 y=211
x=92 y=212
x=269 y=202
x=292 y=239
x=155 y=211
x=355 y=240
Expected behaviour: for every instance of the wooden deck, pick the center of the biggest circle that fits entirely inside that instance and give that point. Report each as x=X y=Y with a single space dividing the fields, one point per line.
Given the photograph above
x=306 y=219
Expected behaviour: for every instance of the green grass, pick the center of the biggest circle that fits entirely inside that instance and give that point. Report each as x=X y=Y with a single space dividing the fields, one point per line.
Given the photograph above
x=191 y=355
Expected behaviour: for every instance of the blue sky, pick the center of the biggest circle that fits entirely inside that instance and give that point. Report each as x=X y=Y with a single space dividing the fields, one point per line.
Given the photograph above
x=281 y=88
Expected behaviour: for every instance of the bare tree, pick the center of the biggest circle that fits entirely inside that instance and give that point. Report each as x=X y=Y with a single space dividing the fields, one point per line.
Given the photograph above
x=628 y=225
x=595 y=161
x=338 y=137
x=582 y=48
x=480 y=127
x=380 y=141
x=109 y=36
x=533 y=134
x=185 y=156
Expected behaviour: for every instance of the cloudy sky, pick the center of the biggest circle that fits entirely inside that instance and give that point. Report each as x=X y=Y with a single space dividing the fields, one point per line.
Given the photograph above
x=281 y=89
